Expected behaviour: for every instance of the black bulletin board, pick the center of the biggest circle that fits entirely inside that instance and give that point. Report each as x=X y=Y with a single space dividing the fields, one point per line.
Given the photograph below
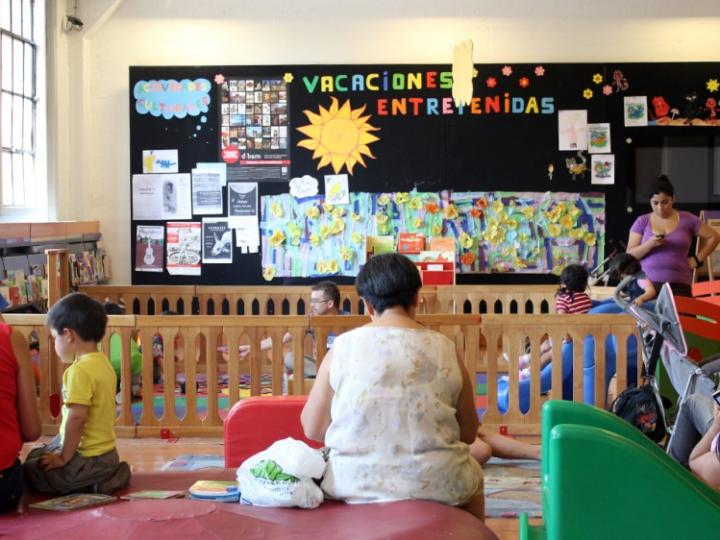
x=487 y=151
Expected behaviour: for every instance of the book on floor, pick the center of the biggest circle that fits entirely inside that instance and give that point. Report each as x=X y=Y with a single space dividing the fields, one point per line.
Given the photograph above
x=216 y=490
x=154 y=494
x=74 y=501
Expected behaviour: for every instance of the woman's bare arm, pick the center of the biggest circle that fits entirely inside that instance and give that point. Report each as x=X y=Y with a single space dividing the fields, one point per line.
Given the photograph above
x=28 y=416
x=315 y=416
x=465 y=412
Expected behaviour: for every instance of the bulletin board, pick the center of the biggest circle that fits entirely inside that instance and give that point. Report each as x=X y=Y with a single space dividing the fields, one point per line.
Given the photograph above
x=536 y=170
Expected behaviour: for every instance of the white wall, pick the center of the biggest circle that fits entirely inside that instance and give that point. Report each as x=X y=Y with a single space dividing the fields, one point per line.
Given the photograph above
x=89 y=80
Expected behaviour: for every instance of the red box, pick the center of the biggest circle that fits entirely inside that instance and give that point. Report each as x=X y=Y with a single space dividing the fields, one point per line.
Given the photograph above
x=411 y=242
x=431 y=274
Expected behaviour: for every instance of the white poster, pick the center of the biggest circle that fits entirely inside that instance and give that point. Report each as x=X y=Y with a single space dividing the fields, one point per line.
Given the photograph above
x=243 y=215
x=217 y=241
x=336 y=189
x=599 y=138
x=572 y=130
x=206 y=192
x=183 y=248
x=220 y=168
x=149 y=243
x=635 y=111
x=160 y=161
x=159 y=197
x=304 y=186
x=602 y=169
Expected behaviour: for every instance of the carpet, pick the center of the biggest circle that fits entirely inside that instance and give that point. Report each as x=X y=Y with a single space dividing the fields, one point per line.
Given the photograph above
x=511 y=487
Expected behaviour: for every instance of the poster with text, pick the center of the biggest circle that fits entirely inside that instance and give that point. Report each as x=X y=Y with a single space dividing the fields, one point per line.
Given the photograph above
x=149 y=242
x=159 y=197
x=216 y=241
x=183 y=248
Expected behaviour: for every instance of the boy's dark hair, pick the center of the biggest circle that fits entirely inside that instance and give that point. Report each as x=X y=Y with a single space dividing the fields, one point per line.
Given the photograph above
x=81 y=314
x=388 y=280
x=660 y=185
x=111 y=308
x=574 y=279
x=623 y=264
x=330 y=290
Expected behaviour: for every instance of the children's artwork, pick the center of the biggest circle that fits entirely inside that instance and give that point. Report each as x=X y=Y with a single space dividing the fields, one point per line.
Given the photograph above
x=206 y=192
x=304 y=186
x=576 y=165
x=149 y=243
x=336 y=189
x=602 y=169
x=599 y=138
x=159 y=197
x=160 y=161
x=183 y=248
x=528 y=232
x=217 y=241
x=572 y=130
x=635 y=111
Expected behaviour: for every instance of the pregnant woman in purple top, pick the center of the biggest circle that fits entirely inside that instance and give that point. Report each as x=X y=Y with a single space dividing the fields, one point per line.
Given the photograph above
x=661 y=240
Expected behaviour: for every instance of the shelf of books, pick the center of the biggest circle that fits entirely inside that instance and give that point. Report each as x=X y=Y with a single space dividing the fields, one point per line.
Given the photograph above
x=23 y=262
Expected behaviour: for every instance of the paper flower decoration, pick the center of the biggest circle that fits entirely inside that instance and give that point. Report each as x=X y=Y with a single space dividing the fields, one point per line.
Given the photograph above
x=481 y=203
x=324 y=231
x=451 y=211
x=436 y=229
x=269 y=273
x=277 y=238
x=337 y=226
x=497 y=206
x=567 y=221
x=507 y=71
x=416 y=203
x=277 y=209
x=418 y=222
x=607 y=89
x=355 y=217
x=475 y=213
x=554 y=230
x=539 y=71
x=432 y=208
x=383 y=199
x=314 y=240
x=381 y=219
x=466 y=240
x=346 y=253
x=527 y=211
x=587 y=93
x=467 y=258
x=511 y=224
x=491 y=82
x=219 y=78
x=577 y=234
x=402 y=197
x=312 y=211
x=356 y=238
x=327 y=207
x=524 y=82
x=288 y=77
x=590 y=239
x=712 y=85
x=338 y=213
x=328 y=267
x=597 y=78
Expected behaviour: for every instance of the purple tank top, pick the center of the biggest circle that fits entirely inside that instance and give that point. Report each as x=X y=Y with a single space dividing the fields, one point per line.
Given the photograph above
x=668 y=262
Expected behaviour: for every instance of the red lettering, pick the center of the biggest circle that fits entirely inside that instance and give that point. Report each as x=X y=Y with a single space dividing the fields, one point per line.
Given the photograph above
x=382 y=107
x=431 y=79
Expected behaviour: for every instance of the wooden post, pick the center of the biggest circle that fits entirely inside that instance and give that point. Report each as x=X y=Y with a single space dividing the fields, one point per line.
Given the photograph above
x=58 y=274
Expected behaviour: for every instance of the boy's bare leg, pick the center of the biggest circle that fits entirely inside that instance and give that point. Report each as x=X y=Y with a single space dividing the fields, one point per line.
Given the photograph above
x=476 y=504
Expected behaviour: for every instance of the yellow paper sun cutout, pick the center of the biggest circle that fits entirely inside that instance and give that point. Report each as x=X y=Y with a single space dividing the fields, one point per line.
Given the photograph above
x=339 y=136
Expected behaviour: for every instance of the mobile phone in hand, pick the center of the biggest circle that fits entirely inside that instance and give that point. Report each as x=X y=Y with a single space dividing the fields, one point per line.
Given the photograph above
x=716 y=396
x=659 y=236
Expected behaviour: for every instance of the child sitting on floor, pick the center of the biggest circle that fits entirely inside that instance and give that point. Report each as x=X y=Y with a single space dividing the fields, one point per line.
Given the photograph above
x=571 y=298
x=638 y=290
x=82 y=458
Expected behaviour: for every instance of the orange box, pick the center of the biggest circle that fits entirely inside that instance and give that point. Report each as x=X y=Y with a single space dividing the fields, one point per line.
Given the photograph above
x=442 y=243
x=411 y=242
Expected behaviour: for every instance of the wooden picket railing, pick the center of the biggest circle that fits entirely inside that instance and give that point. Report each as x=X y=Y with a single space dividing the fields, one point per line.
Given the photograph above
x=293 y=300
x=196 y=345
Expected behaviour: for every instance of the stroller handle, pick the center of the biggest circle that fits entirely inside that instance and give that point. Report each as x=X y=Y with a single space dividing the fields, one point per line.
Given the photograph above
x=617 y=293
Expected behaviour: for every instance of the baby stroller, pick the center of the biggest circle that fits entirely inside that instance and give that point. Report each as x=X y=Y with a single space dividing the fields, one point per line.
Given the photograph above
x=664 y=338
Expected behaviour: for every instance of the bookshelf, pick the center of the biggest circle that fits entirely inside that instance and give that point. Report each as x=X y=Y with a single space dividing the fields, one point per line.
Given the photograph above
x=24 y=276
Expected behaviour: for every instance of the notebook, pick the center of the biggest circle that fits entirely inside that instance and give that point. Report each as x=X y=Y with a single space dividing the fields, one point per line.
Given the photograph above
x=74 y=501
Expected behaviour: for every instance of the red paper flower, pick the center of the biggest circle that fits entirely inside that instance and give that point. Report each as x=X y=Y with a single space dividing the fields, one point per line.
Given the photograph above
x=524 y=82
x=476 y=213
x=467 y=258
x=607 y=89
x=432 y=208
x=481 y=203
x=491 y=82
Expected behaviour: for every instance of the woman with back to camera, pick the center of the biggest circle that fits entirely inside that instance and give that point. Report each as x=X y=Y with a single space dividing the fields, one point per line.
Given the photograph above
x=661 y=240
x=394 y=404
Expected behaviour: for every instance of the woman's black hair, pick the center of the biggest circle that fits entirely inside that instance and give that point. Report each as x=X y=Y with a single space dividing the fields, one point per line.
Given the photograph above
x=388 y=280
x=661 y=185
x=623 y=264
x=574 y=279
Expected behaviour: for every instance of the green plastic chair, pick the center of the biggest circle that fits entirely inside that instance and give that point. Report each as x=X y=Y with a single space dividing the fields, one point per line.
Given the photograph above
x=602 y=478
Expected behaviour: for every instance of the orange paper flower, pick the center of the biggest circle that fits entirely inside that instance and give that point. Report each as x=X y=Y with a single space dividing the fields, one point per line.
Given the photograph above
x=467 y=258
x=432 y=208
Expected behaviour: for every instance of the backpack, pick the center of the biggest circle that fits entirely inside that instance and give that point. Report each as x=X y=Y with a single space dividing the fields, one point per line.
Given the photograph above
x=641 y=408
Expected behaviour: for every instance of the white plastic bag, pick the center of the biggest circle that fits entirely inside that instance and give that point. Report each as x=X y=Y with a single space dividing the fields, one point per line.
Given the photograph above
x=282 y=475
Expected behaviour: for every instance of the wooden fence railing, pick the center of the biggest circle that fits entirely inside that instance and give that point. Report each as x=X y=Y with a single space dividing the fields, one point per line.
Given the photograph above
x=209 y=347
x=293 y=300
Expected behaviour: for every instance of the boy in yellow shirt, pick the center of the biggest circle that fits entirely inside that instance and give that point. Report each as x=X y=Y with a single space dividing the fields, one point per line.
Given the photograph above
x=82 y=458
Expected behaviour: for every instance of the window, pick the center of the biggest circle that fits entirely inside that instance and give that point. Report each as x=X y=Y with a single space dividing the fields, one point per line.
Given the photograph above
x=23 y=186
